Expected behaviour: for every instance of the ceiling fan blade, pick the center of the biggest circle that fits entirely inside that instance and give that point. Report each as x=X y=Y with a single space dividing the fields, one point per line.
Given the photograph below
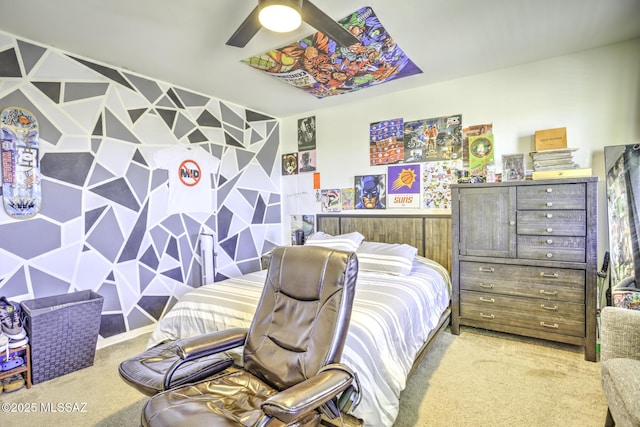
x=245 y=32
x=323 y=23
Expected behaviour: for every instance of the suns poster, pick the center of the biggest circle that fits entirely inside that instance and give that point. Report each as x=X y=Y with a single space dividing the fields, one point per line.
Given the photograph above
x=403 y=186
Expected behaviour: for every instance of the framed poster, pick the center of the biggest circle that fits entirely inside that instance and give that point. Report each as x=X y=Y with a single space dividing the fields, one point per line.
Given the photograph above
x=404 y=186
x=331 y=200
x=307 y=133
x=386 y=144
x=513 y=168
x=370 y=192
x=480 y=154
x=290 y=164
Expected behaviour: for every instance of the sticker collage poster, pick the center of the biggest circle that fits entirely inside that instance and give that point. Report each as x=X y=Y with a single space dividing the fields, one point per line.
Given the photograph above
x=319 y=66
x=403 y=186
x=437 y=178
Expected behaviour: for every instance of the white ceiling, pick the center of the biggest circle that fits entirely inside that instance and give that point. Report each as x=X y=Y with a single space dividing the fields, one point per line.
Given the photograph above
x=183 y=42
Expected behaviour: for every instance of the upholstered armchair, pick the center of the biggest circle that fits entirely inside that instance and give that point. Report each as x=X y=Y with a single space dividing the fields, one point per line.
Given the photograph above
x=291 y=371
x=620 y=365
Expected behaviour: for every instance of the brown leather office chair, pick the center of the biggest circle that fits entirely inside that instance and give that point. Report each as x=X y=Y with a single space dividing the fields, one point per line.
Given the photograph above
x=291 y=372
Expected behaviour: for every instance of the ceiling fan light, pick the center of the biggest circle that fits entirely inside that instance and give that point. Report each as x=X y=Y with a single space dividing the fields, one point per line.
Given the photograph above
x=280 y=16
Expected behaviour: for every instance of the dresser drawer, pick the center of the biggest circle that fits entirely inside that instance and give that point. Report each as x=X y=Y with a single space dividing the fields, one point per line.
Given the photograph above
x=552 y=223
x=552 y=248
x=549 y=316
x=554 y=284
x=551 y=196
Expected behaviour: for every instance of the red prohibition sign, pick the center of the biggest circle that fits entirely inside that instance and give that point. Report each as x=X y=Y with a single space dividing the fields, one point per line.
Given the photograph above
x=189 y=173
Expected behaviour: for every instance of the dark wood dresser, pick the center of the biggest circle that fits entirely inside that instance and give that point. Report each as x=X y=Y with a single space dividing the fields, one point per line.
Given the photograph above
x=524 y=259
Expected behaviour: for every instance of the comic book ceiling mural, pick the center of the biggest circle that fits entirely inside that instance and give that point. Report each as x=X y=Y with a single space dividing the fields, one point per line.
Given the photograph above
x=317 y=65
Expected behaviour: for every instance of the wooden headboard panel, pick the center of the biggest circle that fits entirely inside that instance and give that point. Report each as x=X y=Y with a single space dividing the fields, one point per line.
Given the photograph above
x=431 y=234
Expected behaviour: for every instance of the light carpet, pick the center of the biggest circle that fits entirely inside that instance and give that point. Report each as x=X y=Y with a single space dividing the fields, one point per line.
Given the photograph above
x=476 y=379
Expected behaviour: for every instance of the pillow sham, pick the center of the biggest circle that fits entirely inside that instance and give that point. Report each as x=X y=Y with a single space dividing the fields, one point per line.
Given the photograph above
x=392 y=258
x=344 y=242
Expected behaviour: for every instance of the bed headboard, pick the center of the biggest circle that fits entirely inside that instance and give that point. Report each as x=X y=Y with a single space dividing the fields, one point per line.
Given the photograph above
x=431 y=234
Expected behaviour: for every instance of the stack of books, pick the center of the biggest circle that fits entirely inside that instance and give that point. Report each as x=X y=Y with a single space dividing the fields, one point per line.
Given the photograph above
x=556 y=163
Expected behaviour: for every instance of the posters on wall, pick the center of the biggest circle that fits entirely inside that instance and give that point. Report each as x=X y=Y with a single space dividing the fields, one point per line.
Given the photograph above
x=430 y=153
x=404 y=186
x=397 y=141
x=322 y=68
x=370 y=191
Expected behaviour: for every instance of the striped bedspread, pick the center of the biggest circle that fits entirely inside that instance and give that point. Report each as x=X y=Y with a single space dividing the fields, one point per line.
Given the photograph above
x=391 y=319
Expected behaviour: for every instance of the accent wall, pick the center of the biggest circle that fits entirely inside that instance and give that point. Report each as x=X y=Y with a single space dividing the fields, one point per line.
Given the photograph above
x=106 y=222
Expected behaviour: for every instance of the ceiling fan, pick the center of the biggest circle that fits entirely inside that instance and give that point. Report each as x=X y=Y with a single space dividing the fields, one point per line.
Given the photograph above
x=309 y=14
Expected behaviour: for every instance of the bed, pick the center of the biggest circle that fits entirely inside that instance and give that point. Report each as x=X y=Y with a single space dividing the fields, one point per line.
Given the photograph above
x=401 y=304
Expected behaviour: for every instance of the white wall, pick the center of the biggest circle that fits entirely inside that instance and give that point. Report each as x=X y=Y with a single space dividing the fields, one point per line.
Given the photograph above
x=594 y=94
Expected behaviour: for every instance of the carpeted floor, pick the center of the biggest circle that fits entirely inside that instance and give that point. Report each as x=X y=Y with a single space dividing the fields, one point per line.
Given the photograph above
x=476 y=379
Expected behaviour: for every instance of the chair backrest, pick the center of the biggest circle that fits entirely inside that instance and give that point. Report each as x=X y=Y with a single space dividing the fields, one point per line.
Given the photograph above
x=303 y=315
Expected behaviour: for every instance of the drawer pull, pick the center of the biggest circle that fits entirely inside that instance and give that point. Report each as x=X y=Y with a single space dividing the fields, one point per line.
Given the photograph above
x=549 y=230
x=483 y=299
x=552 y=293
x=549 y=216
x=550 y=276
x=486 y=270
x=554 y=308
x=549 y=204
x=549 y=190
x=487 y=316
x=549 y=241
x=486 y=285
x=549 y=255
x=547 y=325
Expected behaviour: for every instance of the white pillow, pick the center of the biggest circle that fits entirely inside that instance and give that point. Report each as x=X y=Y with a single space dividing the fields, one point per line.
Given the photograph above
x=344 y=242
x=390 y=258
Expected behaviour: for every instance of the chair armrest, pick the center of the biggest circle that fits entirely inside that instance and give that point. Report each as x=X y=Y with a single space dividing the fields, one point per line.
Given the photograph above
x=619 y=333
x=293 y=403
x=200 y=346
x=213 y=342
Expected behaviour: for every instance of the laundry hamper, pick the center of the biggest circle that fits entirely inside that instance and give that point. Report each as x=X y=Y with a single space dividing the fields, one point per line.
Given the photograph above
x=63 y=332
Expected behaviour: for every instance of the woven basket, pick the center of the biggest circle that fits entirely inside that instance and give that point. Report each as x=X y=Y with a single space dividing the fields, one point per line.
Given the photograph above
x=63 y=332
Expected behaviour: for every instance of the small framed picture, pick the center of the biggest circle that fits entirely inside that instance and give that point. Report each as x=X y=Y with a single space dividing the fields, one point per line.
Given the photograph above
x=513 y=167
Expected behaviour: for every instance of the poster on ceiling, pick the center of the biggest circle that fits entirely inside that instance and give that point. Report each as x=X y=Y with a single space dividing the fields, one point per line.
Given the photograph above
x=319 y=66
x=404 y=186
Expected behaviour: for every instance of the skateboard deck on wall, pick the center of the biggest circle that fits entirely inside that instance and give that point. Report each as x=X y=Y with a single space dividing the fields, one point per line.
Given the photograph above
x=21 y=190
